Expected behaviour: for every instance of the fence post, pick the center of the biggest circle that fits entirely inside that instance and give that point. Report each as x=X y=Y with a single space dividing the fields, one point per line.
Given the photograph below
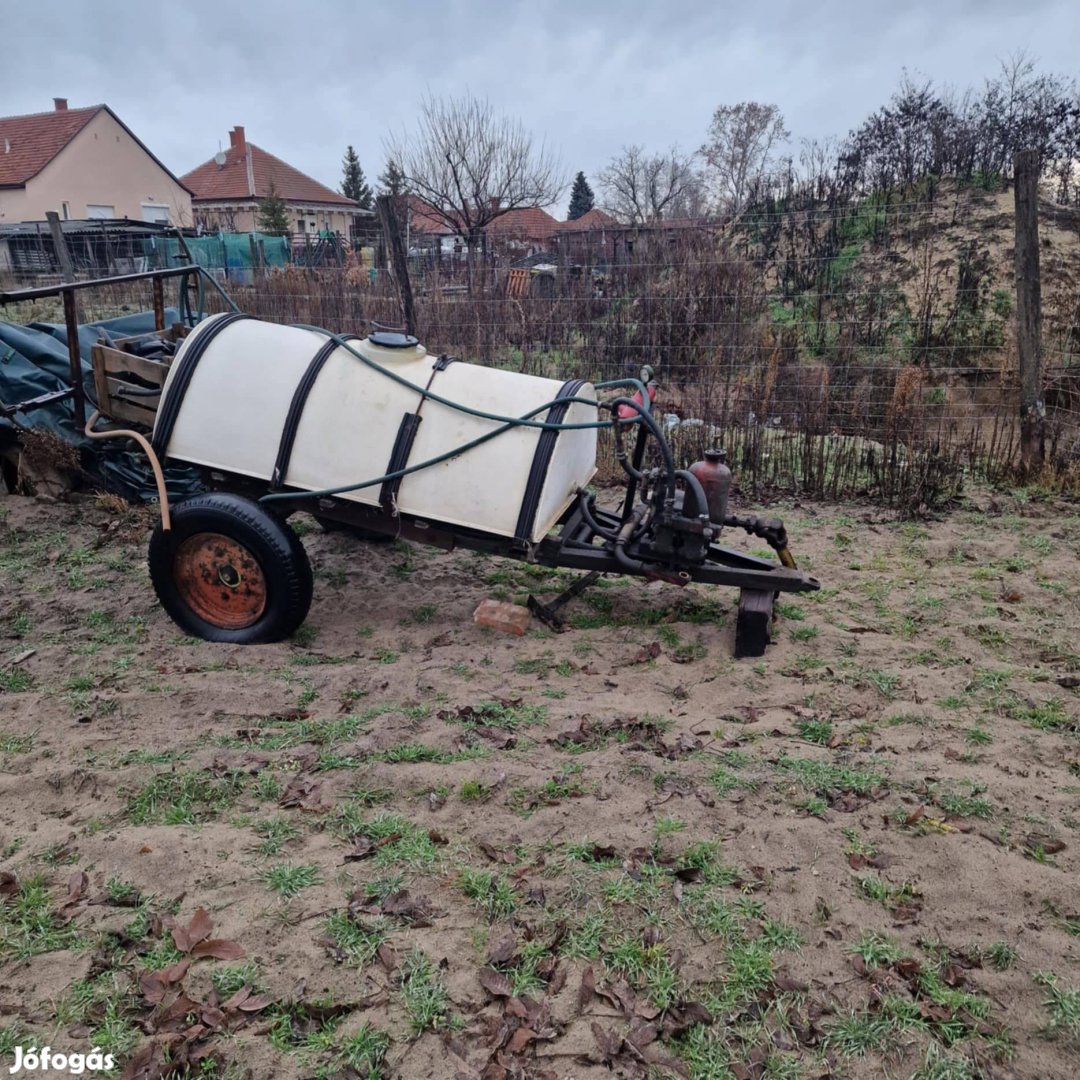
x=1029 y=311
x=392 y=231
x=63 y=256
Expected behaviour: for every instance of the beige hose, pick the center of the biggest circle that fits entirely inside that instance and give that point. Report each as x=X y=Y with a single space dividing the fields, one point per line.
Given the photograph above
x=159 y=478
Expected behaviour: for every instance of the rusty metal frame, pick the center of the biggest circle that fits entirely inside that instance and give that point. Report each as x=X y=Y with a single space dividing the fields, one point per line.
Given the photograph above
x=67 y=291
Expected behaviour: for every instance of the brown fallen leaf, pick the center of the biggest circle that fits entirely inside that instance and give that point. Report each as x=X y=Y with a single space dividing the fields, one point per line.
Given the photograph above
x=503 y=951
x=495 y=982
x=219 y=949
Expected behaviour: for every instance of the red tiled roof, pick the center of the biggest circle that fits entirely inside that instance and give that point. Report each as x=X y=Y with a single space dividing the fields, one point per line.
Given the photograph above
x=212 y=182
x=528 y=223
x=29 y=143
x=591 y=219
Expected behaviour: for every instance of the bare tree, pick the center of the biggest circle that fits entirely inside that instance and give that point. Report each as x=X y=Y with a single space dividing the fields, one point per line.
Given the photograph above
x=471 y=166
x=738 y=149
x=639 y=187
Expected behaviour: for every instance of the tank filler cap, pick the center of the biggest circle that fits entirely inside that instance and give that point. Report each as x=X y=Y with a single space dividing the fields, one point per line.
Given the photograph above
x=716 y=455
x=390 y=340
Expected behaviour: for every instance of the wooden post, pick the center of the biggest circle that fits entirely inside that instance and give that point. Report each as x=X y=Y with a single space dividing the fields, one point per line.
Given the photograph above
x=392 y=231
x=71 y=321
x=67 y=271
x=158 y=289
x=1029 y=311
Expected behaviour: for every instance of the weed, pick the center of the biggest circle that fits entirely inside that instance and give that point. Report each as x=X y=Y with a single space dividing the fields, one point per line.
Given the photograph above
x=16 y=744
x=14 y=680
x=491 y=892
x=423 y=995
x=289 y=880
x=876 y=950
x=356 y=943
x=1063 y=1004
x=28 y=924
x=474 y=791
x=1001 y=955
x=275 y=833
x=815 y=730
x=227 y=979
x=184 y=798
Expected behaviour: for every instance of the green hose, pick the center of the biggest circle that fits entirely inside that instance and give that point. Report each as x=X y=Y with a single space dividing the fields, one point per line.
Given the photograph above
x=516 y=421
x=507 y=422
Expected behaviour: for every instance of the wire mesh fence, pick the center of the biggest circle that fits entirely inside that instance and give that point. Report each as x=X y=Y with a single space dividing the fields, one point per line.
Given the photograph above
x=861 y=350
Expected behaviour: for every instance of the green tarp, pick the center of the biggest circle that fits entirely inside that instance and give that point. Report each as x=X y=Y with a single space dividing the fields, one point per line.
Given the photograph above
x=34 y=361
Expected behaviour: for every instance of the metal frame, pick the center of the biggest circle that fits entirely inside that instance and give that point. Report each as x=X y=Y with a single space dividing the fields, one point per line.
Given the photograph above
x=67 y=291
x=574 y=547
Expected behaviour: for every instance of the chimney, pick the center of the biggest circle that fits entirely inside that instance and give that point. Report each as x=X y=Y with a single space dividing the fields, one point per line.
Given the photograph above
x=60 y=104
x=236 y=139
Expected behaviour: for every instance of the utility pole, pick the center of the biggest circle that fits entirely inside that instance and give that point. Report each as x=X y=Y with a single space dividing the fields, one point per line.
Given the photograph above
x=1029 y=311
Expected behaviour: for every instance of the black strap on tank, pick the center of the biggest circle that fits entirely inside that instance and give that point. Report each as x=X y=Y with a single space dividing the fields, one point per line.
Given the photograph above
x=399 y=457
x=181 y=380
x=296 y=409
x=406 y=436
x=545 y=447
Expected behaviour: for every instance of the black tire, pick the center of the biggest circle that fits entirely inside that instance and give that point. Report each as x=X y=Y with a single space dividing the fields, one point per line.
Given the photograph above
x=229 y=571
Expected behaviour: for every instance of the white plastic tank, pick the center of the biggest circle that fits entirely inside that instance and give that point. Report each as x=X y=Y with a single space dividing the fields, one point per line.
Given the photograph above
x=230 y=389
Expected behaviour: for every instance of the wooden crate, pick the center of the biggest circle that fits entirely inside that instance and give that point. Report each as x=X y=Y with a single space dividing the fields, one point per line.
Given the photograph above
x=122 y=379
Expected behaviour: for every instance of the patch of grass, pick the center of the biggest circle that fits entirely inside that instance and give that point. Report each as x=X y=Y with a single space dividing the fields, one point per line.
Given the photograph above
x=474 y=791
x=29 y=925
x=275 y=833
x=290 y=880
x=1046 y=716
x=815 y=730
x=1063 y=1005
x=14 y=680
x=361 y=1055
x=227 y=979
x=876 y=950
x=358 y=942
x=184 y=798
x=491 y=892
x=398 y=839
x=423 y=994
x=1000 y=955
x=828 y=779
x=888 y=895
x=962 y=803
x=16 y=744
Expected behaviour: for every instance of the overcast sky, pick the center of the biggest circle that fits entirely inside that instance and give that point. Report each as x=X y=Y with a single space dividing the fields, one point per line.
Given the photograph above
x=306 y=78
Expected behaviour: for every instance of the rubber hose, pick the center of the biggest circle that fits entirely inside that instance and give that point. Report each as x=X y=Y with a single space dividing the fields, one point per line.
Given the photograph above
x=159 y=478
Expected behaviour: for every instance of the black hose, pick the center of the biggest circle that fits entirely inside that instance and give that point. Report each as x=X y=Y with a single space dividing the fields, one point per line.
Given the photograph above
x=587 y=503
x=633 y=523
x=692 y=482
x=665 y=450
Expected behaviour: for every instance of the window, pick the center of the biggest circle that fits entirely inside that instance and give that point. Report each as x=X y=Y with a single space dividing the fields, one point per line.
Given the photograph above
x=67 y=211
x=156 y=212
x=100 y=211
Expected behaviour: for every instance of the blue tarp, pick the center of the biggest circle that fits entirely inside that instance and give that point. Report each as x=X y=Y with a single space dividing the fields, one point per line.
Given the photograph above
x=34 y=361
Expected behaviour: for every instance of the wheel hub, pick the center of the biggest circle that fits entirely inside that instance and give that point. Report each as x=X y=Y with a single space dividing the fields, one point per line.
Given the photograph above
x=220 y=580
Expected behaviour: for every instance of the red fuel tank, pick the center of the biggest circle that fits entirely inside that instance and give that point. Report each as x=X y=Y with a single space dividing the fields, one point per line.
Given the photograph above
x=715 y=478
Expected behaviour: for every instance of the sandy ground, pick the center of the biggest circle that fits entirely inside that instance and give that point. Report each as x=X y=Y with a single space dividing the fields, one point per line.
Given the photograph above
x=426 y=849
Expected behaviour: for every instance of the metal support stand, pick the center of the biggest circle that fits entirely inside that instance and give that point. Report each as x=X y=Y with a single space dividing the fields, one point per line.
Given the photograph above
x=549 y=613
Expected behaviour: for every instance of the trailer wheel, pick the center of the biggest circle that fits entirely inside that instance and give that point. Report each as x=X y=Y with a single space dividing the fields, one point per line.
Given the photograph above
x=229 y=571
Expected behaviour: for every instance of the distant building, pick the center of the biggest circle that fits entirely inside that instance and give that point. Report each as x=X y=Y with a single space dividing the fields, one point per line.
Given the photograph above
x=520 y=232
x=228 y=188
x=83 y=163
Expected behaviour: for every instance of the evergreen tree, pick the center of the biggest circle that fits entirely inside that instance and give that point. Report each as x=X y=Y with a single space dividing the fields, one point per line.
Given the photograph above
x=581 y=198
x=273 y=214
x=353 y=184
x=392 y=181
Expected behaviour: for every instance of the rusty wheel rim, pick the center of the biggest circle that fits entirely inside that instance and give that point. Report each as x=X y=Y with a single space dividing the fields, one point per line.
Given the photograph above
x=220 y=580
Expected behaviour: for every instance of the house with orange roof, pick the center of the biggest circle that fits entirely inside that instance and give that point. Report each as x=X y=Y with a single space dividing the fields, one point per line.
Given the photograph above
x=227 y=191
x=84 y=163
